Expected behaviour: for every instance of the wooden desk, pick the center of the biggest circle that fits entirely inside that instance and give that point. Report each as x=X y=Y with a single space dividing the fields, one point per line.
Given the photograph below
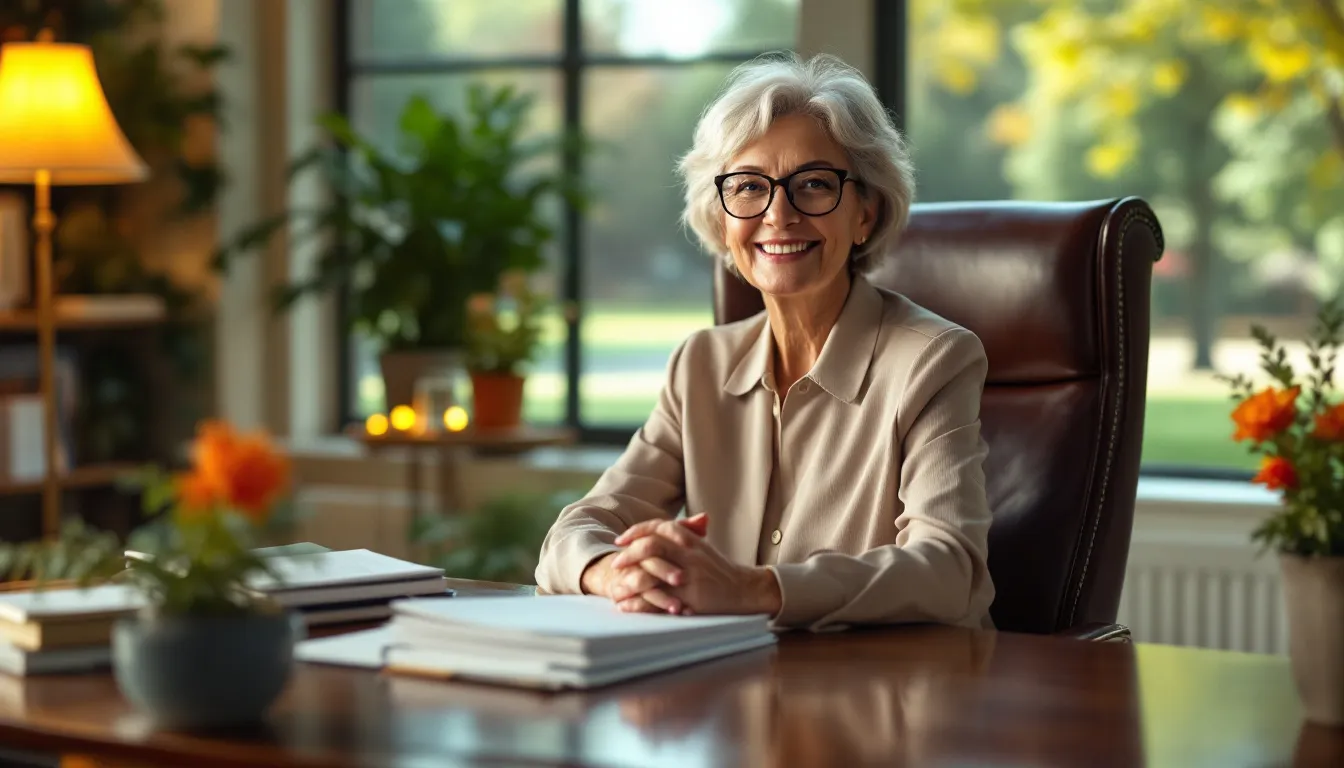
x=913 y=696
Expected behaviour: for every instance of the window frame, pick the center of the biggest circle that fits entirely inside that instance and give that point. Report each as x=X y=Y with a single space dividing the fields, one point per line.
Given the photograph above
x=571 y=64
x=890 y=51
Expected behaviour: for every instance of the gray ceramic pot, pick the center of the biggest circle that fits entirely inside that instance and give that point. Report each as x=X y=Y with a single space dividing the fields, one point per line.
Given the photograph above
x=204 y=672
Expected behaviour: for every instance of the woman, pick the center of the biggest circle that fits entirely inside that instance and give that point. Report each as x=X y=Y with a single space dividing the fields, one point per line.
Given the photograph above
x=827 y=451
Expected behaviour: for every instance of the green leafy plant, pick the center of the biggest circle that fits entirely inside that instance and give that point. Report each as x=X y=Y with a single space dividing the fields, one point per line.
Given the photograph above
x=198 y=554
x=499 y=541
x=1296 y=425
x=504 y=328
x=408 y=235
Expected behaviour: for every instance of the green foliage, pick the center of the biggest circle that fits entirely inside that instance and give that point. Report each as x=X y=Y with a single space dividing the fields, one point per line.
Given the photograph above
x=408 y=236
x=185 y=562
x=499 y=541
x=504 y=329
x=1311 y=521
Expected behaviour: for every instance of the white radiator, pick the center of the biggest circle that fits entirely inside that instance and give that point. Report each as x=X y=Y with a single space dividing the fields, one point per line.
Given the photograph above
x=1196 y=579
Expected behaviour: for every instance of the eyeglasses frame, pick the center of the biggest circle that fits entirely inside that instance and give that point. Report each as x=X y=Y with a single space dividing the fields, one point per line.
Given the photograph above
x=776 y=183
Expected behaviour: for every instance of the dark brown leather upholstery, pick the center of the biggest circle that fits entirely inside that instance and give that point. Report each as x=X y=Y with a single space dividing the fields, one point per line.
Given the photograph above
x=1059 y=295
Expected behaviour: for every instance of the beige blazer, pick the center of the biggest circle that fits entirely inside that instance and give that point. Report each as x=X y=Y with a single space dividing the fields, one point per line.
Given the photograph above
x=861 y=488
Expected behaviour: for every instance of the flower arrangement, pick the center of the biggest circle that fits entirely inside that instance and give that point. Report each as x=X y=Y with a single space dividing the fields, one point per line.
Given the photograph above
x=504 y=328
x=1296 y=425
x=197 y=552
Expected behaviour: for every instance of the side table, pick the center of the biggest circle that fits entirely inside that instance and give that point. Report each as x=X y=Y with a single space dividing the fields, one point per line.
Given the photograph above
x=451 y=447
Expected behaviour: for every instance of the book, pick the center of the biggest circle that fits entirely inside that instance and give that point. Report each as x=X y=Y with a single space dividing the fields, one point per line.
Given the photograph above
x=18 y=661
x=312 y=575
x=346 y=576
x=64 y=618
x=557 y=641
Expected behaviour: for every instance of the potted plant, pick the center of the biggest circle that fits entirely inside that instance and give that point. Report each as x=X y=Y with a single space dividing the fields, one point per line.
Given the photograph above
x=205 y=650
x=503 y=332
x=410 y=234
x=1296 y=425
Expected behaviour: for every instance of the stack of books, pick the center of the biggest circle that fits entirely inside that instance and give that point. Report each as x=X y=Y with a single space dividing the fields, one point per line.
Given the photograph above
x=347 y=586
x=556 y=642
x=61 y=630
x=70 y=630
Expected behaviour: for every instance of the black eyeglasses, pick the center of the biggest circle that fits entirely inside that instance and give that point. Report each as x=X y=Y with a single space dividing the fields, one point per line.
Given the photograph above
x=812 y=191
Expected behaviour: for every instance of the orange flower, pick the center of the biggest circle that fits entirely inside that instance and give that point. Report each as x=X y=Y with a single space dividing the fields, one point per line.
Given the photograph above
x=1330 y=425
x=258 y=475
x=1276 y=473
x=1264 y=415
x=243 y=471
x=195 y=493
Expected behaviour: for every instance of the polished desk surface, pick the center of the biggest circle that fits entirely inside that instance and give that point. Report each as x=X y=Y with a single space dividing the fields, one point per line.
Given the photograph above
x=912 y=696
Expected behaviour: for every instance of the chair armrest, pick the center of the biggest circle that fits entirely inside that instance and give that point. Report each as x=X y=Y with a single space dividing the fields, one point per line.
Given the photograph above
x=1097 y=632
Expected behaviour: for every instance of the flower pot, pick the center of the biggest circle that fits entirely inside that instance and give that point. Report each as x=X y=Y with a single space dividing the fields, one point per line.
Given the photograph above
x=1313 y=589
x=497 y=400
x=204 y=671
x=403 y=368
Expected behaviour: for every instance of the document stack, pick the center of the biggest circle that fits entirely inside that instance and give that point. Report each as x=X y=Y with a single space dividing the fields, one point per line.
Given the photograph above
x=347 y=586
x=61 y=630
x=341 y=586
x=556 y=642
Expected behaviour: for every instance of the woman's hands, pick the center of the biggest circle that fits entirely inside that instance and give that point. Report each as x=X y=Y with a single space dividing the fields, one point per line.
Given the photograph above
x=667 y=566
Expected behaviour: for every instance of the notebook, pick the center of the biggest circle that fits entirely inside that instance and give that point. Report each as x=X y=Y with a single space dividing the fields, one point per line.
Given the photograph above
x=557 y=641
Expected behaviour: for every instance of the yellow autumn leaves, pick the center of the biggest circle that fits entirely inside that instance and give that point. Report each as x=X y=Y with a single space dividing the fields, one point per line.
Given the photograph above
x=1105 y=63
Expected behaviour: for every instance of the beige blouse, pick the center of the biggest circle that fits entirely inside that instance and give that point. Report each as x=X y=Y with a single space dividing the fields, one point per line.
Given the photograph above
x=861 y=488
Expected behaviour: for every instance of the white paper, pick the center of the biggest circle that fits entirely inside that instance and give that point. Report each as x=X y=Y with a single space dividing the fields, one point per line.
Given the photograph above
x=354 y=649
x=577 y=616
x=354 y=566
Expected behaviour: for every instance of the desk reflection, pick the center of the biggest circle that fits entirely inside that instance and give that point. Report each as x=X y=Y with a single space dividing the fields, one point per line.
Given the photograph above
x=809 y=701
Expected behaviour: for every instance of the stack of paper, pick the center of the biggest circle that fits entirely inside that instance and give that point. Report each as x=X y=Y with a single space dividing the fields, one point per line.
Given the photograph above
x=345 y=586
x=332 y=587
x=562 y=641
x=61 y=630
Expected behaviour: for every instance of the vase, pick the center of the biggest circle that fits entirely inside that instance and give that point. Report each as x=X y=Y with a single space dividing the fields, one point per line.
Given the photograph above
x=402 y=369
x=497 y=400
x=1313 y=590
x=193 y=672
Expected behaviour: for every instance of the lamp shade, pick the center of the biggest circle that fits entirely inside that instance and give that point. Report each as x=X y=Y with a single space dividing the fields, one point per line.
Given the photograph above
x=54 y=117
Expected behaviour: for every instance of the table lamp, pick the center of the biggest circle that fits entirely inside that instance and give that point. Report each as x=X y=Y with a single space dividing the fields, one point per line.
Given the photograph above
x=56 y=128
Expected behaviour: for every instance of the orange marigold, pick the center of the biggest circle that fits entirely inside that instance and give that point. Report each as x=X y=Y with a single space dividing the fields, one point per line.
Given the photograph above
x=195 y=493
x=1276 y=473
x=243 y=471
x=1330 y=425
x=1265 y=414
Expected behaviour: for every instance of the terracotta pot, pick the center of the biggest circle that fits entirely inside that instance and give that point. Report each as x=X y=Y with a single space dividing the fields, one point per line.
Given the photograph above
x=403 y=368
x=1313 y=589
x=497 y=400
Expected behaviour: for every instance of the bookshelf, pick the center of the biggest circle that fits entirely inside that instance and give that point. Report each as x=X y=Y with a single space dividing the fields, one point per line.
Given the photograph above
x=124 y=326
x=86 y=476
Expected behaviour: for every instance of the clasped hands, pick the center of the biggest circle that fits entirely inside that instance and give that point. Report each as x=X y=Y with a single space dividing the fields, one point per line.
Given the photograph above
x=666 y=566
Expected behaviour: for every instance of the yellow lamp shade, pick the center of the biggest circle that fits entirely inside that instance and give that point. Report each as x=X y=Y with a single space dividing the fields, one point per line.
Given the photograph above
x=54 y=117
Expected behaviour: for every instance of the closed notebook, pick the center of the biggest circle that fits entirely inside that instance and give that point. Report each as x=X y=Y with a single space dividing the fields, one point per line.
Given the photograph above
x=561 y=641
x=61 y=618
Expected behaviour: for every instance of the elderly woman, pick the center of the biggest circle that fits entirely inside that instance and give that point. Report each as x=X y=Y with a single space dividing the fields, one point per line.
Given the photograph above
x=827 y=451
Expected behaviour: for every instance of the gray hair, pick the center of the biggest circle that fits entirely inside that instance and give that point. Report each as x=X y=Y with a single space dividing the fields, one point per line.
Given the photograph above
x=776 y=85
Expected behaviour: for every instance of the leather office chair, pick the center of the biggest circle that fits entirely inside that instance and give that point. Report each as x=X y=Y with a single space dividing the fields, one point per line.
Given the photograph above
x=1059 y=295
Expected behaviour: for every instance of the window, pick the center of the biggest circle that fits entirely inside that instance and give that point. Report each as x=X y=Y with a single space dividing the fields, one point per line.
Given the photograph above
x=634 y=75
x=1216 y=113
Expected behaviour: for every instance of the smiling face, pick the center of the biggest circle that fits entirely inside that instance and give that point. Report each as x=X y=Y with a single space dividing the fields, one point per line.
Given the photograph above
x=784 y=252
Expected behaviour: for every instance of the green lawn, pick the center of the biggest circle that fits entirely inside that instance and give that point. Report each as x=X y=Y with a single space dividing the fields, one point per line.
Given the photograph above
x=1177 y=430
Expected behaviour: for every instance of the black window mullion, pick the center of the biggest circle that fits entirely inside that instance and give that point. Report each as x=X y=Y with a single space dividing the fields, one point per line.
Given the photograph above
x=892 y=57
x=573 y=164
